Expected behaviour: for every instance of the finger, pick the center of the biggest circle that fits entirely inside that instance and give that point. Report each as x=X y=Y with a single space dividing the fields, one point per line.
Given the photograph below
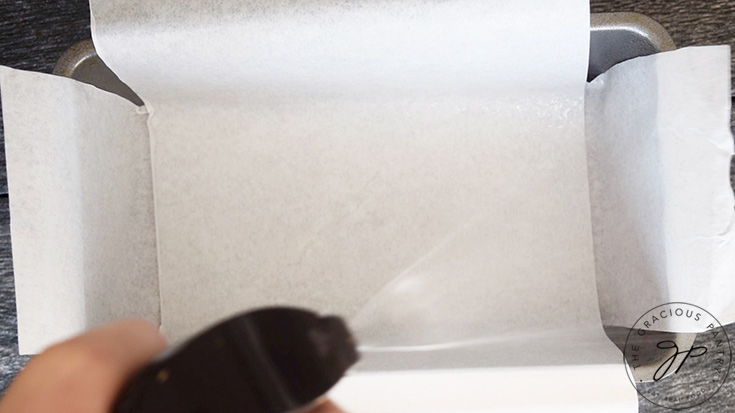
x=85 y=373
x=326 y=407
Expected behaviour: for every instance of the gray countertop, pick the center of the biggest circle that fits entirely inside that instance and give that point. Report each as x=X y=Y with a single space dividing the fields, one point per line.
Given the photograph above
x=34 y=33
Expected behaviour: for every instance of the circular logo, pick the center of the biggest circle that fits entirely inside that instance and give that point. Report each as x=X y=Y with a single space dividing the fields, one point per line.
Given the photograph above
x=677 y=355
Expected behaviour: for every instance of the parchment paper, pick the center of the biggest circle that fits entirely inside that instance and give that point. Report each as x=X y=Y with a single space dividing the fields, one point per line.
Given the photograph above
x=84 y=246
x=342 y=143
x=658 y=133
x=418 y=167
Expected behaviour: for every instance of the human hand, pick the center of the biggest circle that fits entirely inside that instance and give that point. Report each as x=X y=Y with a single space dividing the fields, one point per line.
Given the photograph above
x=85 y=373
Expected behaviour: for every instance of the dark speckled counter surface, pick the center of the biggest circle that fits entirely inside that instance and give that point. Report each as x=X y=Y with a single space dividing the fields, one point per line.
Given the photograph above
x=34 y=33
